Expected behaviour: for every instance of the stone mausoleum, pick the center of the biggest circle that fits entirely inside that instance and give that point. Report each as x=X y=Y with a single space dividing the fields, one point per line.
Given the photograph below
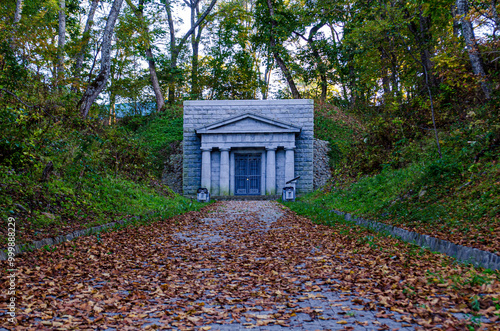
x=247 y=147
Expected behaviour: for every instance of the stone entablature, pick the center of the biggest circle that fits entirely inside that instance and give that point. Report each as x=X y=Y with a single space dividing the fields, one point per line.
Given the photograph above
x=264 y=142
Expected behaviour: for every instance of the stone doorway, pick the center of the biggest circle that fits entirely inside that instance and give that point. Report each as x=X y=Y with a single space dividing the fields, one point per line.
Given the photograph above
x=248 y=173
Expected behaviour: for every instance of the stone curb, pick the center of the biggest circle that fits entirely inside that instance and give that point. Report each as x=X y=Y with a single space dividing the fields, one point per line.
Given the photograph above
x=18 y=249
x=464 y=254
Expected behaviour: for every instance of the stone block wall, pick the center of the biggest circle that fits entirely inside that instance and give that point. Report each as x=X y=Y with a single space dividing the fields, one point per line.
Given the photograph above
x=172 y=170
x=322 y=171
x=201 y=113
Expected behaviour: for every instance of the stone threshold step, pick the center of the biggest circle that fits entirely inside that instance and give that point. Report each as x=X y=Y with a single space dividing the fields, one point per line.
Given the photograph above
x=244 y=197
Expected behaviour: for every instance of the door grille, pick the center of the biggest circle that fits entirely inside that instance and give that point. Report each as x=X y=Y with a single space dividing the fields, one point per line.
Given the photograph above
x=247 y=174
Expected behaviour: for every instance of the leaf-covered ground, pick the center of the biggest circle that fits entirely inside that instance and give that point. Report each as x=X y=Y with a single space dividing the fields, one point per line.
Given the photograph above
x=464 y=210
x=239 y=265
x=48 y=210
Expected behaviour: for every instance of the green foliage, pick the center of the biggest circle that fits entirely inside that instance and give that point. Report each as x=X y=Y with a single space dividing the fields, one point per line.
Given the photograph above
x=372 y=69
x=118 y=196
x=442 y=171
x=338 y=135
x=230 y=69
x=101 y=173
x=339 y=129
x=315 y=212
x=414 y=188
x=48 y=248
x=158 y=135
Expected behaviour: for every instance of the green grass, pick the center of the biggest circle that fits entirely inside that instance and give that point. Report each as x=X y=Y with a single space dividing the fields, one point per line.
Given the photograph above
x=100 y=174
x=158 y=134
x=315 y=212
x=429 y=193
x=63 y=204
x=397 y=177
x=122 y=197
x=340 y=135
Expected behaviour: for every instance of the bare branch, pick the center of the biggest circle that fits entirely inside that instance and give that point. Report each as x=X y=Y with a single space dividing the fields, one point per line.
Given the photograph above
x=202 y=17
x=24 y=103
x=18 y=99
x=300 y=35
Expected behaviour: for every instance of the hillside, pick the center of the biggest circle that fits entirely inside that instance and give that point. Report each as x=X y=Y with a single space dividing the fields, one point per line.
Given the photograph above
x=390 y=171
x=60 y=176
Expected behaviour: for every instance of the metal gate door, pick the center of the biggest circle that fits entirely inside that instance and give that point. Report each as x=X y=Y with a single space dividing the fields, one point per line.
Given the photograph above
x=247 y=174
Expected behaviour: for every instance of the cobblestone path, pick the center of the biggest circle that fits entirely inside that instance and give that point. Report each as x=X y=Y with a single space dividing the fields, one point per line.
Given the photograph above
x=280 y=291
x=240 y=265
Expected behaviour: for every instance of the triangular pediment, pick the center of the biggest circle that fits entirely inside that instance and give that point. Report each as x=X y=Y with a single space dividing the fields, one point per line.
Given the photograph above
x=248 y=123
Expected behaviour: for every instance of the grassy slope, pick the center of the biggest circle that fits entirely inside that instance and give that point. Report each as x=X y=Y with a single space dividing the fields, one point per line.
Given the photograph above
x=101 y=174
x=456 y=198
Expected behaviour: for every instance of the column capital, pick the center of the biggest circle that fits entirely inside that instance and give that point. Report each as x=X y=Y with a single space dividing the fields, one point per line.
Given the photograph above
x=206 y=149
x=289 y=148
x=271 y=148
x=225 y=149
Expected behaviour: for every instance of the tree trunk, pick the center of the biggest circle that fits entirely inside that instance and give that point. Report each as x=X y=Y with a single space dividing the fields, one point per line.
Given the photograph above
x=472 y=49
x=389 y=80
x=386 y=80
x=194 y=56
x=85 y=37
x=173 y=56
x=176 y=49
x=112 y=108
x=195 y=45
x=115 y=74
x=394 y=80
x=495 y=18
x=324 y=87
x=394 y=72
x=195 y=89
x=160 y=101
x=139 y=13
x=322 y=74
x=319 y=61
x=277 y=57
x=352 y=86
x=336 y=40
x=19 y=9
x=267 y=77
x=173 y=59
x=422 y=35
x=15 y=23
x=286 y=72
x=95 y=88
x=61 y=40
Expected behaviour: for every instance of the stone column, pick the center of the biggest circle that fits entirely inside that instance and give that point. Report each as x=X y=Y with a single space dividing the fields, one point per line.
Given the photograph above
x=206 y=171
x=271 y=171
x=224 y=171
x=231 y=173
x=289 y=163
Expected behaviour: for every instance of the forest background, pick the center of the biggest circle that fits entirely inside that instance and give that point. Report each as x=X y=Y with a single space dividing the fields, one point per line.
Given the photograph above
x=406 y=92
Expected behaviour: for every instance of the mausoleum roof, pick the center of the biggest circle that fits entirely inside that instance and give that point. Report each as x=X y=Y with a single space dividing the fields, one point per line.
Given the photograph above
x=248 y=123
